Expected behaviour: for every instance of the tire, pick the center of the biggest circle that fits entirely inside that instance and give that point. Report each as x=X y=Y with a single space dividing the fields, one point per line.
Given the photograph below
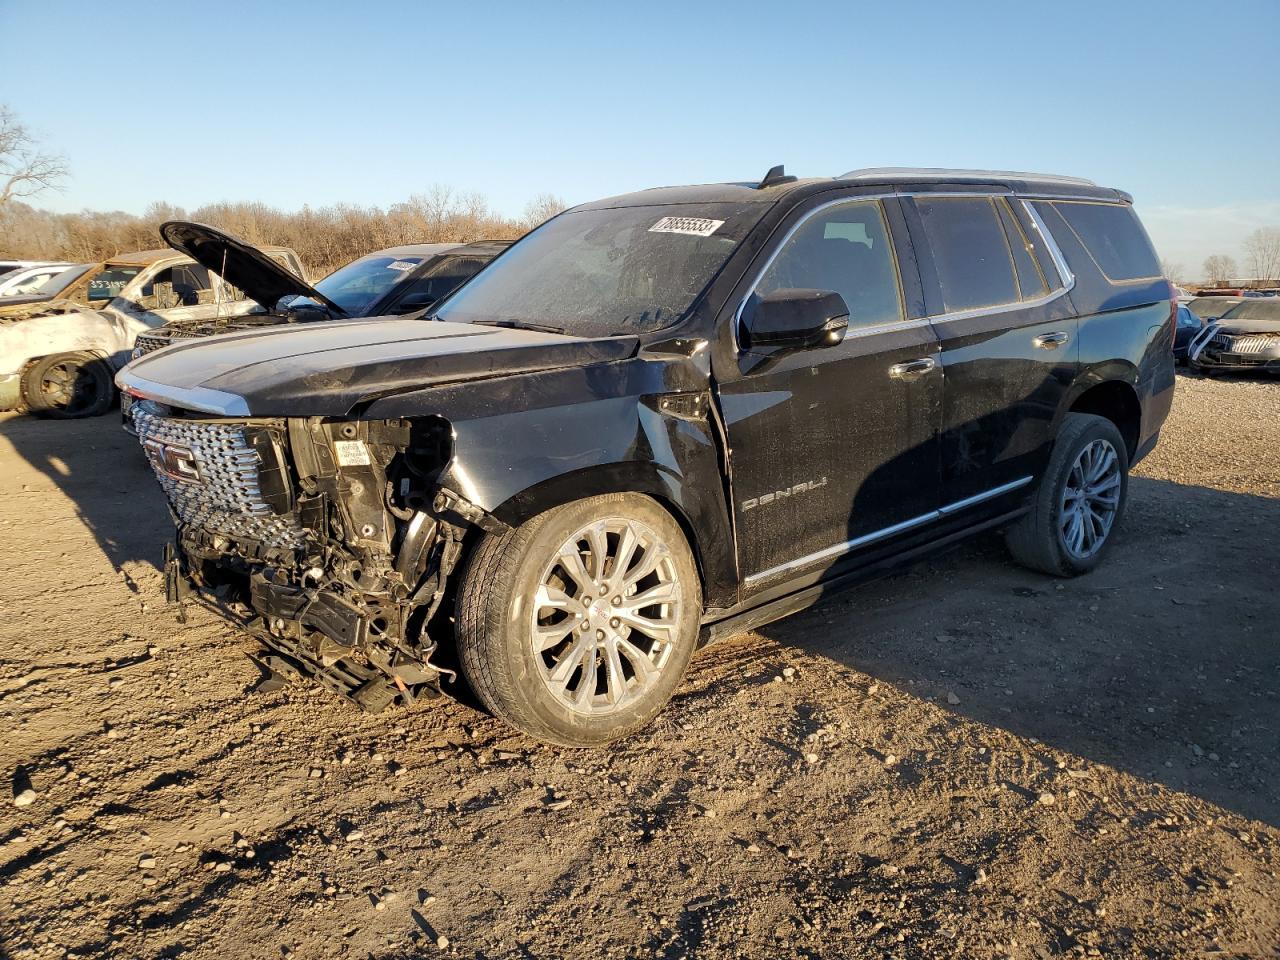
x=67 y=386
x=499 y=606
x=1045 y=538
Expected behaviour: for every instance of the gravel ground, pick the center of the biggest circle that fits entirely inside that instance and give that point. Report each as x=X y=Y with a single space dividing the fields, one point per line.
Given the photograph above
x=963 y=760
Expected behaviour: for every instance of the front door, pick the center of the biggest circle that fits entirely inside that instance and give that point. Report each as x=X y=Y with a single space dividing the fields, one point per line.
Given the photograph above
x=833 y=447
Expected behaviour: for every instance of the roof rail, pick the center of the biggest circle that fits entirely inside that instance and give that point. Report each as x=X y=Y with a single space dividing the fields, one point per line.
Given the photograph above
x=943 y=173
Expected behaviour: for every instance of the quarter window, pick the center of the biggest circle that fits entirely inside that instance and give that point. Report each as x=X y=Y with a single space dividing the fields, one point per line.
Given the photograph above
x=845 y=249
x=1114 y=238
x=970 y=251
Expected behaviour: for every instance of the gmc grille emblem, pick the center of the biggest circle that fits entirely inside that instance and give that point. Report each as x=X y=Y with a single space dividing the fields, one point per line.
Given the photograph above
x=179 y=463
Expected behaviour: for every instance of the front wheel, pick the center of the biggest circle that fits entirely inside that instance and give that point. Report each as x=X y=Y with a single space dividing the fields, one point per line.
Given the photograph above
x=576 y=626
x=67 y=386
x=1080 y=501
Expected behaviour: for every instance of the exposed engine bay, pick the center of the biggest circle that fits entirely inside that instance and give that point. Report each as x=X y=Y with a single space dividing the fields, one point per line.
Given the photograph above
x=332 y=534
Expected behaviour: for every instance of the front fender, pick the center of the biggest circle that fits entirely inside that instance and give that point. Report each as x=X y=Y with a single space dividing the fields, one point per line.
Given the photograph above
x=79 y=332
x=524 y=444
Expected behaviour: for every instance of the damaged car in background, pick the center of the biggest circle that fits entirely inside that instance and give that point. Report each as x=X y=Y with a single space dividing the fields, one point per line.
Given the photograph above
x=1245 y=338
x=397 y=280
x=60 y=346
x=660 y=419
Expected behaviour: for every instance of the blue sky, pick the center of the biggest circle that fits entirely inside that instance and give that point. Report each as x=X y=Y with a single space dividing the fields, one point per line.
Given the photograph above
x=297 y=103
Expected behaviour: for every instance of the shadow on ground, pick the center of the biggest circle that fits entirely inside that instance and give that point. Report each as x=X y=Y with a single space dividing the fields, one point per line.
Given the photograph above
x=102 y=471
x=1164 y=662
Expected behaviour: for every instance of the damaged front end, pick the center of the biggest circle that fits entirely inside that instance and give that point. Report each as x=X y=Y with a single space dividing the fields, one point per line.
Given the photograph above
x=333 y=534
x=1223 y=347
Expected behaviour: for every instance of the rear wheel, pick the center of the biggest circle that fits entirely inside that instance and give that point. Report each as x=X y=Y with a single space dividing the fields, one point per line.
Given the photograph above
x=68 y=385
x=1080 y=500
x=577 y=626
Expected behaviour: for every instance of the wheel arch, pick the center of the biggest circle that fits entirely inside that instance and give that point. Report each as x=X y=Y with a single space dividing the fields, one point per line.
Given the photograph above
x=704 y=527
x=1114 y=399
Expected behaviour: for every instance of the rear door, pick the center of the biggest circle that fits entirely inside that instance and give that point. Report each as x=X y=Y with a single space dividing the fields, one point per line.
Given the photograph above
x=1008 y=337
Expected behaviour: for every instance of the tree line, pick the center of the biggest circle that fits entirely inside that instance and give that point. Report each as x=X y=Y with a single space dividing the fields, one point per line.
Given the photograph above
x=1262 y=260
x=324 y=237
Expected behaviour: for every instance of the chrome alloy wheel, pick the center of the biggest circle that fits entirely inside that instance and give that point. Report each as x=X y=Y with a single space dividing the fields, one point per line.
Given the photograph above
x=1090 y=500
x=605 y=616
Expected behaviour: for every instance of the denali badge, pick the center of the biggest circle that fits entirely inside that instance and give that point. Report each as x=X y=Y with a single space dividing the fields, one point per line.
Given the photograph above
x=777 y=495
x=176 y=462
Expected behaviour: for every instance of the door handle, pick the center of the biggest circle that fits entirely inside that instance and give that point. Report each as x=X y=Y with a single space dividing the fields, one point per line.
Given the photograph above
x=912 y=369
x=1051 y=341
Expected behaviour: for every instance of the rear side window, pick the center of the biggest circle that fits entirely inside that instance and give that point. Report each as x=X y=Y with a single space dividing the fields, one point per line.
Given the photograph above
x=970 y=251
x=1114 y=238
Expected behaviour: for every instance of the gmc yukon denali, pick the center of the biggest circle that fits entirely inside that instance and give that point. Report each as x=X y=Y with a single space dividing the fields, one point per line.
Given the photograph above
x=659 y=419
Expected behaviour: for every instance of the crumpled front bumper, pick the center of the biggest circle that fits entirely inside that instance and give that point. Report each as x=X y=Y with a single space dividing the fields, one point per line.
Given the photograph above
x=1216 y=349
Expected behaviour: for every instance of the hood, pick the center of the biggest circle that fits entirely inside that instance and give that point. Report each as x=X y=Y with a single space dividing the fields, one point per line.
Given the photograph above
x=241 y=264
x=1247 y=325
x=326 y=369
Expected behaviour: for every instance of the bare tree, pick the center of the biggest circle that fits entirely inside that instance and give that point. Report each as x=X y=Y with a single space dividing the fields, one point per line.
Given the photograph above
x=1263 y=248
x=541 y=209
x=1171 y=270
x=1219 y=267
x=25 y=170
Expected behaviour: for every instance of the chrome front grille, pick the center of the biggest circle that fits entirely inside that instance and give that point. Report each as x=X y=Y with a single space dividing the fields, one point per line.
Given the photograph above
x=1251 y=344
x=210 y=473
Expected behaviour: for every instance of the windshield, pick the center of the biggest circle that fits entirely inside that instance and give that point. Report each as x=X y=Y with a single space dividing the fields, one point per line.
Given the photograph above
x=1257 y=309
x=356 y=286
x=607 y=272
x=1210 y=306
x=108 y=284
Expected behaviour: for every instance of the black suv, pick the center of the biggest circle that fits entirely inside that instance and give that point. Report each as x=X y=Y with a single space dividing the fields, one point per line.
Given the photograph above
x=662 y=418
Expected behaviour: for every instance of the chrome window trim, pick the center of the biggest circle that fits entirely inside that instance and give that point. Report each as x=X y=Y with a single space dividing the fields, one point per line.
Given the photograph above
x=201 y=399
x=1067 y=279
x=1055 y=252
x=841 y=548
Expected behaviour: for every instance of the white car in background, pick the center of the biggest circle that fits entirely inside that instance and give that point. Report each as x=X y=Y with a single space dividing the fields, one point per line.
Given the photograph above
x=61 y=345
x=29 y=279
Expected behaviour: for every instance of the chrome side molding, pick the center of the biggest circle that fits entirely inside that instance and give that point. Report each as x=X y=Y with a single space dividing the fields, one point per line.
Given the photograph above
x=842 y=548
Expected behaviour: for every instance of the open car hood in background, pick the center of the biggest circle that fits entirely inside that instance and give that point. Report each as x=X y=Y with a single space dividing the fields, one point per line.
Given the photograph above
x=240 y=264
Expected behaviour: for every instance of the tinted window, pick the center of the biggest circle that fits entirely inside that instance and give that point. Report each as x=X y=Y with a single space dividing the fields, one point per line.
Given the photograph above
x=1030 y=280
x=1114 y=238
x=970 y=252
x=846 y=249
x=607 y=271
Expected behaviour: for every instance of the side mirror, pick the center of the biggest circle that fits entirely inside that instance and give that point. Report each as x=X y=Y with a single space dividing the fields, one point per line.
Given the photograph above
x=414 y=301
x=796 y=318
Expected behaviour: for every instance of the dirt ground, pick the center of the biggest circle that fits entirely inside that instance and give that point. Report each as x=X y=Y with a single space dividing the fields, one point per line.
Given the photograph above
x=966 y=760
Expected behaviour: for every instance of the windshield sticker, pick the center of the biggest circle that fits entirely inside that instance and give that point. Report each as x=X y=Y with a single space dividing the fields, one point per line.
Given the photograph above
x=401 y=265
x=692 y=226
